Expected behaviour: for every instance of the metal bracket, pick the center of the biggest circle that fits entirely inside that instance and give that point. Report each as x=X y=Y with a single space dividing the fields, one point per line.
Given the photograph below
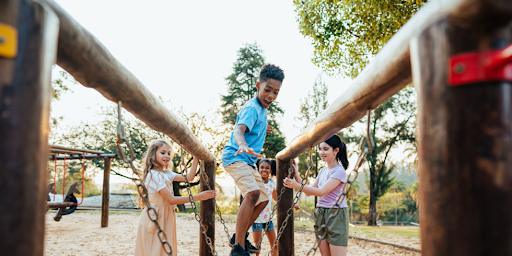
x=473 y=67
x=8 y=41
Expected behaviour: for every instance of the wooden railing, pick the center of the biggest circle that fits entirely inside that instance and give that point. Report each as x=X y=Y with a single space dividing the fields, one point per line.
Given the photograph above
x=390 y=71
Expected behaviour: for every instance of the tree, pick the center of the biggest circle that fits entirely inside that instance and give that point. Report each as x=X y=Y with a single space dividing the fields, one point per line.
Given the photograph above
x=310 y=108
x=401 y=109
x=346 y=34
x=242 y=87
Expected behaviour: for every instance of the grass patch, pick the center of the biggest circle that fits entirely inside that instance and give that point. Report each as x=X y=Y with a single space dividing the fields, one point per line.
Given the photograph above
x=403 y=231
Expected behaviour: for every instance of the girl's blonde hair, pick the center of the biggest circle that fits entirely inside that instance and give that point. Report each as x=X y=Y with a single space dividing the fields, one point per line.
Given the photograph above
x=149 y=161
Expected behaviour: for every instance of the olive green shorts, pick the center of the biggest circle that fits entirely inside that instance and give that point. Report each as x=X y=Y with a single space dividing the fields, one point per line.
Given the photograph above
x=337 y=228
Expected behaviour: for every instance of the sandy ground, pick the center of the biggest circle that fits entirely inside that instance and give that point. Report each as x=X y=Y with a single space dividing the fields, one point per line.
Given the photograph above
x=80 y=234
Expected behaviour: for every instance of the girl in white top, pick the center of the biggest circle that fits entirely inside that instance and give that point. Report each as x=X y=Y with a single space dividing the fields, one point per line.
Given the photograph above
x=158 y=181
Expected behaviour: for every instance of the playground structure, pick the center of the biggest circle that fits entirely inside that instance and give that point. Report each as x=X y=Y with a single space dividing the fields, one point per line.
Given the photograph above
x=65 y=153
x=458 y=53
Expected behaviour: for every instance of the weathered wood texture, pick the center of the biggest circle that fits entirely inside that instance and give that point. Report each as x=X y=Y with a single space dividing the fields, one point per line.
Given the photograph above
x=286 y=243
x=105 y=199
x=61 y=149
x=71 y=157
x=91 y=64
x=465 y=145
x=207 y=210
x=390 y=70
x=25 y=95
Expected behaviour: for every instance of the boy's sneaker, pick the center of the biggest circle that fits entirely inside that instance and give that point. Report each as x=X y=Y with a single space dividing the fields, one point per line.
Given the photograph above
x=248 y=246
x=237 y=250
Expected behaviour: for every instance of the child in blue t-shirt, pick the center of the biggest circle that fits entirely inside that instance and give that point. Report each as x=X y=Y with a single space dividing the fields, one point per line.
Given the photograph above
x=243 y=149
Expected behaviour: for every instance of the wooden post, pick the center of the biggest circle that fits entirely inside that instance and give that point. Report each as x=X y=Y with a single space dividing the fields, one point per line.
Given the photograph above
x=105 y=200
x=207 y=210
x=285 y=245
x=465 y=139
x=25 y=94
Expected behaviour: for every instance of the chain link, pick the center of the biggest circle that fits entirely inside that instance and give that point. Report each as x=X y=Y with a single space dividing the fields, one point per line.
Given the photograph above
x=365 y=148
x=142 y=190
x=207 y=182
x=295 y=201
x=193 y=204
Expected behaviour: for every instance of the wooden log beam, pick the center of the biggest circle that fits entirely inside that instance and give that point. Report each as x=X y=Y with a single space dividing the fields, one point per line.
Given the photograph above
x=465 y=145
x=207 y=210
x=91 y=64
x=52 y=147
x=105 y=199
x=71 y=157
x=51 y=205
x=25 y=94
x=390 y=70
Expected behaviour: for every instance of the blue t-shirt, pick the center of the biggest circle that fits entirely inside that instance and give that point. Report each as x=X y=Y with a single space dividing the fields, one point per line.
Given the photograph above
x=254 y=116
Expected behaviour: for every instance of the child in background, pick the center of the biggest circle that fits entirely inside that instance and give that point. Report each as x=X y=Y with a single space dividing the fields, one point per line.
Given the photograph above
x=328 y=186
x=158 y=181
x=242 y=150
x=266 y=169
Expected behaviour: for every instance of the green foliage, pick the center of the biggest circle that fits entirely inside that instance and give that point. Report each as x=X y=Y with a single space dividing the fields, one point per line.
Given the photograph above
x=310 y=108
x=346 y=34
x=242 y=87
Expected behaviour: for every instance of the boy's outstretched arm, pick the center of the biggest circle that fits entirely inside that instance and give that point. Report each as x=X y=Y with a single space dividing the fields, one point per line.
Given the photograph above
x=238 y=135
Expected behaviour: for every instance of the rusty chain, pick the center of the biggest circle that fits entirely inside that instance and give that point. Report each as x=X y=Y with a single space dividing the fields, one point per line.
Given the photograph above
x=207 y=182
x=365 y=147
x=295 y=201
x=142 y=190
x=193 y=204
x=274 y=208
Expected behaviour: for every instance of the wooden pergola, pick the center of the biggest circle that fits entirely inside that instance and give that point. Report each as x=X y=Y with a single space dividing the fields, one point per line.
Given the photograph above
x=66 y=153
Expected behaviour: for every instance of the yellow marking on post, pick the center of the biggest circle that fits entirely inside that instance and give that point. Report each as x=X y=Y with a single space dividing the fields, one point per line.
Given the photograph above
x=8 y=41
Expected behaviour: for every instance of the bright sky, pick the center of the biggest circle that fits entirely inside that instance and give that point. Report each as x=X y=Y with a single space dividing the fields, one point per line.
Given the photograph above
x=183 y=50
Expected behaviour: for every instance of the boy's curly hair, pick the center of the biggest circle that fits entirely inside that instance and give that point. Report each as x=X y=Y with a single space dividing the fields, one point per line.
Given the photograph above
x=271 y=71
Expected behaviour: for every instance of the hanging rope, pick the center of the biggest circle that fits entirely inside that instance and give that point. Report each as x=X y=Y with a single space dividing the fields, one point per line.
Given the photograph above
x=141 y=188
x=55 y=178
x=193 y=204
x=365 y=147
x=83 y=178
x=64 y=180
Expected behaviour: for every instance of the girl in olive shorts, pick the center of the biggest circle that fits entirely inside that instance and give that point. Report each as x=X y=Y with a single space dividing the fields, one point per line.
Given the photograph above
x=328 y=186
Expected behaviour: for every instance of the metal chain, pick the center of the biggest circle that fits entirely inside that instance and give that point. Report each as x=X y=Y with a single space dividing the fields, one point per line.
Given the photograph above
x=365 y=147
x=143 y=192
x=295 y=200
x=274 y=208
x=196 y=215
x=207 y=182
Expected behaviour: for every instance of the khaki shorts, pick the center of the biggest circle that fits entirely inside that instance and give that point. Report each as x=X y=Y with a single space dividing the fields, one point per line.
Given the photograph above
x=247 y=179
x=337 y=228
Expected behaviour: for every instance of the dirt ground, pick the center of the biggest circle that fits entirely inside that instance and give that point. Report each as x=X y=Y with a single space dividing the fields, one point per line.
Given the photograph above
x=80 y=234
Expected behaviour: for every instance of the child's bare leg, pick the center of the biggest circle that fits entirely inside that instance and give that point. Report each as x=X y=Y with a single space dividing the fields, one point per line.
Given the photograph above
x=257 y=210
x=256 y=235
x=271 y=239
x=325 y=250
x=338 y=250
x=246 y=209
